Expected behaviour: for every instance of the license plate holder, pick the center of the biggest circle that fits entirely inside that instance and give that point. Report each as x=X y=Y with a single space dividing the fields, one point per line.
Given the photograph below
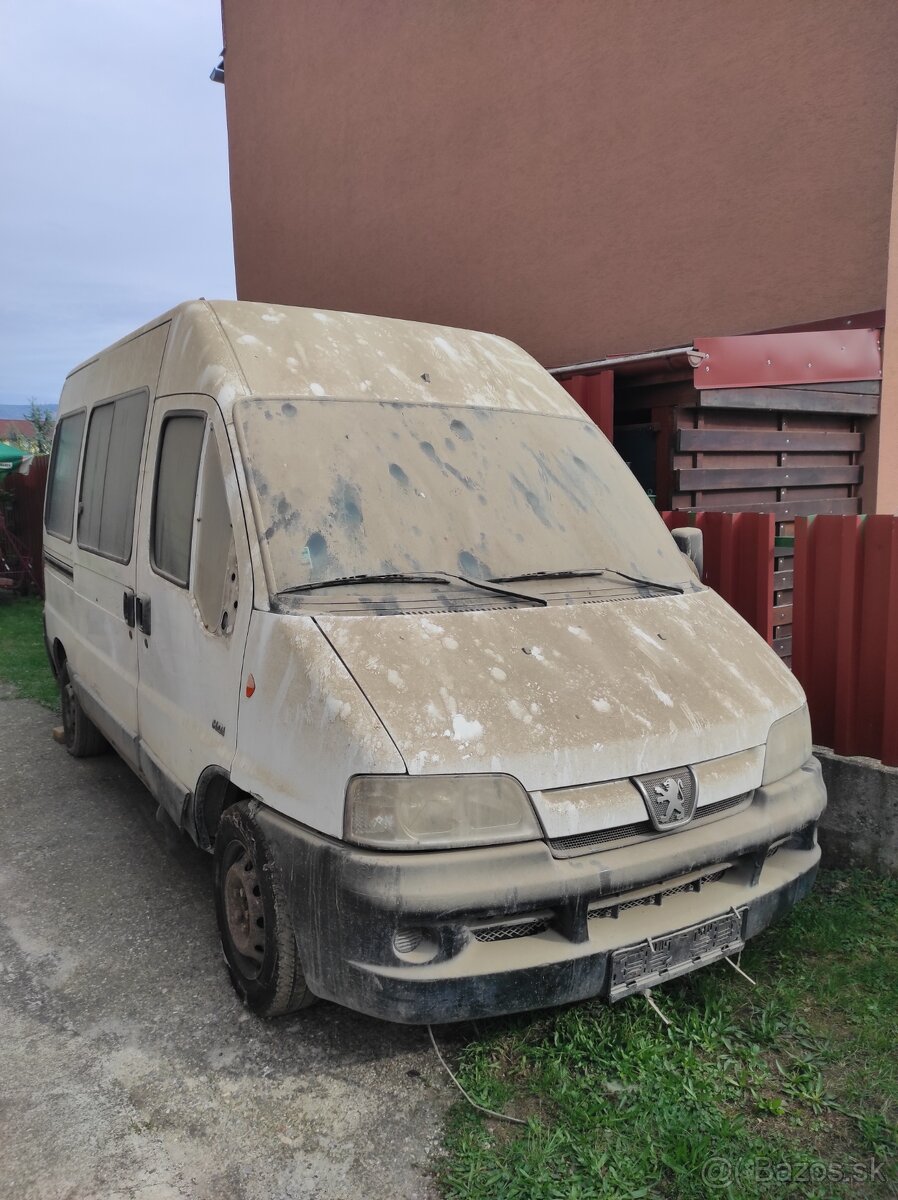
x=649 y=962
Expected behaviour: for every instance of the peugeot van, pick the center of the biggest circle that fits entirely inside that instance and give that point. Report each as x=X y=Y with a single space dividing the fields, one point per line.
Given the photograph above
x=385 y=624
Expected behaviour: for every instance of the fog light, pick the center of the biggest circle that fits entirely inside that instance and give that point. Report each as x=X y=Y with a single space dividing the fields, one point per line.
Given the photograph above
x=414 y=945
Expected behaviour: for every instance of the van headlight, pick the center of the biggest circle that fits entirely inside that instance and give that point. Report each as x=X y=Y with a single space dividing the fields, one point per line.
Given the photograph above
x=428 y=812
x=789 y=745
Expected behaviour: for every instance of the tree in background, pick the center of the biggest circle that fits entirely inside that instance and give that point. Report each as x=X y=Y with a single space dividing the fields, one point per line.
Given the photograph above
x=44 y=421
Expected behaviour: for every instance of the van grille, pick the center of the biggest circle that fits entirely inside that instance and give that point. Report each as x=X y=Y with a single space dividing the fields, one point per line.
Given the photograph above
x=506 y=933
x=586 y=841
x=583 y=843
x=613 y=908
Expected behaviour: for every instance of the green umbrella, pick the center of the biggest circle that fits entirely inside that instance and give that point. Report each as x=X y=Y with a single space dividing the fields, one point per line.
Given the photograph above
x=10 y=456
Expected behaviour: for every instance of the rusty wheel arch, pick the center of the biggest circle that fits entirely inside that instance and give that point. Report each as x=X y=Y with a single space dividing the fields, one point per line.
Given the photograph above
x=214 y=794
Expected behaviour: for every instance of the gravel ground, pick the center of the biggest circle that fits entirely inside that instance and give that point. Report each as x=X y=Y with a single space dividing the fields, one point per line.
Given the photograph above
x=130 y=1069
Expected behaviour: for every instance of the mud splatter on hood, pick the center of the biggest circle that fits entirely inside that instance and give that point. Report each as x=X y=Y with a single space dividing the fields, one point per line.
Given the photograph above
x=568 y=694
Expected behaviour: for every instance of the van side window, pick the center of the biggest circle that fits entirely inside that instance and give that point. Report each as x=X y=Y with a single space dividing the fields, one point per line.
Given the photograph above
x=110 y=476
x=60 y=509
x=215 y=565
x=174 y=495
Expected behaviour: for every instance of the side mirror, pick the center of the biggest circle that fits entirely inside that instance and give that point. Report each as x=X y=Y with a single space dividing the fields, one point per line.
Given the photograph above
x=691 y=543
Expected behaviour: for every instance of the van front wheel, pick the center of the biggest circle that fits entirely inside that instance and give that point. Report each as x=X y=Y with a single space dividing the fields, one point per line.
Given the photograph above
x=257 y=934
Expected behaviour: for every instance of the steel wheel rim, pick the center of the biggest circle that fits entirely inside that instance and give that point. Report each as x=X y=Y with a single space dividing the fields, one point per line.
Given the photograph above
x=68 y=713
x=244 y=910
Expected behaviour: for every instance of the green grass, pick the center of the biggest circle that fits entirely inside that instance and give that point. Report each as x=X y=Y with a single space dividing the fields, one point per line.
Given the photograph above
x=23 y=659
x=790 y=1082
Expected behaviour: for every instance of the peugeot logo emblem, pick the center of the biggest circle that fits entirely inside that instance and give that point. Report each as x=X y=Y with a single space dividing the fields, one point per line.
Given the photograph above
x=670 y=796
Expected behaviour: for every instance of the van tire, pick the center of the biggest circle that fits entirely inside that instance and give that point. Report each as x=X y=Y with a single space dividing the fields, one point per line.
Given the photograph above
x=82 y=738
x=249 y=893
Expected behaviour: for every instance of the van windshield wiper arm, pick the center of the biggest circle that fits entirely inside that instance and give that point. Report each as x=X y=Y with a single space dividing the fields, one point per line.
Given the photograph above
x=486 y=585
x=584 y=572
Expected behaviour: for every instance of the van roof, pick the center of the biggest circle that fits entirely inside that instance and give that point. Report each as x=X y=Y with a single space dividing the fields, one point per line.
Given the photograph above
x=236 y=349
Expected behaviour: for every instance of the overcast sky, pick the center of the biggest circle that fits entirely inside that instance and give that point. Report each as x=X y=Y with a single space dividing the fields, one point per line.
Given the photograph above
x=114 y=200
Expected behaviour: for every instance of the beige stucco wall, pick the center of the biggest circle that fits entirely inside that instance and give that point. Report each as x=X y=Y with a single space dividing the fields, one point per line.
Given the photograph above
x=584 y=176
x=881 y=456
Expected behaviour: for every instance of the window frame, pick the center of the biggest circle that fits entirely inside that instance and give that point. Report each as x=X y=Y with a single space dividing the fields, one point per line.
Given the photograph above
x=214 y=441
x=113 y=400
x=76 y=491
x=160 y=443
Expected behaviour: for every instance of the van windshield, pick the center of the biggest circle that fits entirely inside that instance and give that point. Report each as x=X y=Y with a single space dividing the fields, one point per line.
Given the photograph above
x=365 y=487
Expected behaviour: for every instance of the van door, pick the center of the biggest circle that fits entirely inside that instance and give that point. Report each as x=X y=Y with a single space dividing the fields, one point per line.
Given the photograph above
x=102 y=650
x=193 y=599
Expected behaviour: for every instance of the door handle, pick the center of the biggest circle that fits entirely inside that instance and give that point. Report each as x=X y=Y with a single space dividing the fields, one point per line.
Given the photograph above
x=128 y=599
x=142 y=614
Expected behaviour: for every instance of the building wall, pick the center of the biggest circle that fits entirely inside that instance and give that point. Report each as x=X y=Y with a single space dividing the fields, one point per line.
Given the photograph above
x=584 y=176
x=881 y=457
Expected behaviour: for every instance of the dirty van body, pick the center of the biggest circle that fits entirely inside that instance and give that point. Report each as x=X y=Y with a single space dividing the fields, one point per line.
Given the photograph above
x=385 y=624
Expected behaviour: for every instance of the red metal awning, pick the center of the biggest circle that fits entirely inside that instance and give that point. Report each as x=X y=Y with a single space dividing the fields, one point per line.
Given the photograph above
x=778 y=359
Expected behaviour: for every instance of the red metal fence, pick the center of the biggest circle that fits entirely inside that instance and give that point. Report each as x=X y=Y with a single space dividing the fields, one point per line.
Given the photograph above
x=26 y=512
x=739 y=554
x=595 y=395
x=844 y=631
x=845 y=643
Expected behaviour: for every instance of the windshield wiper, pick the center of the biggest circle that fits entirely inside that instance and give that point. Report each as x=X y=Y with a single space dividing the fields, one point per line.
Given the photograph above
x=585 y=572
x=491 y=585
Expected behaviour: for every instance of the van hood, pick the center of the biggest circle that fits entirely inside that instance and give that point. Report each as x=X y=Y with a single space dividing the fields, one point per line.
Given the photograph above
x=568 y=694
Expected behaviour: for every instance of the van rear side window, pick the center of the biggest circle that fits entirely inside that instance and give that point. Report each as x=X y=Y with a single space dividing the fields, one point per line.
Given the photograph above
x=63 y=476
x=174 y=496
x=110 y=476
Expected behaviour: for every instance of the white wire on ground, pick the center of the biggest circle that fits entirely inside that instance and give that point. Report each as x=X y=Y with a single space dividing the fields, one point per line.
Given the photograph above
x=739 y=970
x=489 y=1112
x=648 y=995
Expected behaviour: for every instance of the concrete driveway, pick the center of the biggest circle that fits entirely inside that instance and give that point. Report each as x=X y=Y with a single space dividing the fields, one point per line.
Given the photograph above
x=129 y=1068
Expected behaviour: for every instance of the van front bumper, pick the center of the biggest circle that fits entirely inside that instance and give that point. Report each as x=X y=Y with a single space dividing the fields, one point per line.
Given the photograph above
x=450 y=935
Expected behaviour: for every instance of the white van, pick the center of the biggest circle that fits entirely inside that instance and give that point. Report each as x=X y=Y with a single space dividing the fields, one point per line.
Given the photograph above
x=382 y=620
